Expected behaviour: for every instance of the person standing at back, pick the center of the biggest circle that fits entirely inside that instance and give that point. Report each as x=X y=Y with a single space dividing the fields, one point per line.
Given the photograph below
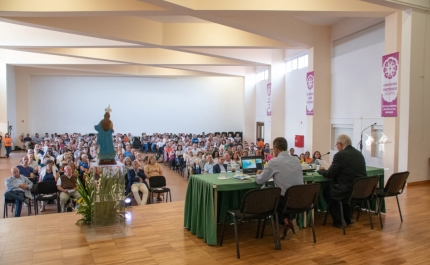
x=7 y=144
x=286 y=171
x=348 y=164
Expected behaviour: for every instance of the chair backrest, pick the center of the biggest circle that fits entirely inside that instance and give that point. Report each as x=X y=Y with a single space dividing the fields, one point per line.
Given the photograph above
x=260 y=201
x=157 y=182
x=301 y=196
x=364 y=187
x=47 y=187
x=396 y=183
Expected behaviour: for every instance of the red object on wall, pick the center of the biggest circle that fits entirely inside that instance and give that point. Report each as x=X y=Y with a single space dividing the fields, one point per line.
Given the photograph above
x=299 y=141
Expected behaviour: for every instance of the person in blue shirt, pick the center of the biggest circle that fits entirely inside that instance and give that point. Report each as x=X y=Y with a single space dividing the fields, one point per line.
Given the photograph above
x=18 y=189
x=25 y=169
x=128 y=152
x=137 y=182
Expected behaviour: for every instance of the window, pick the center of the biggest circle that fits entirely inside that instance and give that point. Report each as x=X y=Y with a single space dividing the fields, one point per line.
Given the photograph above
x=297 y=63
x=266 y=74
x=263 y=75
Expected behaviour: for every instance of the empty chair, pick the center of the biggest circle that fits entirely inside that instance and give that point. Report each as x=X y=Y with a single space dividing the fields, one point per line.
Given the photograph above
x=256 y=205
x=157 y=184
x=46 y=191
x=363 y=190
x=395 y=185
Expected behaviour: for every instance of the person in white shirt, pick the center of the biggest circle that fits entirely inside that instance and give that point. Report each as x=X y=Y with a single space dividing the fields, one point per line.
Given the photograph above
x=195 y=150
x=228 y=160
x=220 y=167
x=209 y=165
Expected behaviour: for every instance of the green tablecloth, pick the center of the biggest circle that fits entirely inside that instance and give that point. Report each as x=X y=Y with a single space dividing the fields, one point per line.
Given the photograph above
x=208 y=198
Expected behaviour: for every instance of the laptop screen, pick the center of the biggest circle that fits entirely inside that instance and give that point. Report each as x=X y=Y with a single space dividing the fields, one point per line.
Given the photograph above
x=250 y=164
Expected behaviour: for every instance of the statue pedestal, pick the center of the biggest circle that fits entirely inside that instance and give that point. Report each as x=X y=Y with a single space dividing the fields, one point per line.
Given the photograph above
x=108 y=219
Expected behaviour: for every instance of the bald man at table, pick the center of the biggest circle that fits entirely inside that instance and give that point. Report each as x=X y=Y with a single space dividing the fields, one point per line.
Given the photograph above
x=286 y=171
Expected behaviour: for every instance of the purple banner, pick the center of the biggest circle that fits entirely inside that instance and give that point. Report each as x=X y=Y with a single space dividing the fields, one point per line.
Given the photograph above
x=390 y=87
x=310 y=93
x=269 y=99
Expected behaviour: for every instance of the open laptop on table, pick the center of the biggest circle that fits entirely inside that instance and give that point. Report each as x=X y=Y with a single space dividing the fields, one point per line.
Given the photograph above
x=250 y=164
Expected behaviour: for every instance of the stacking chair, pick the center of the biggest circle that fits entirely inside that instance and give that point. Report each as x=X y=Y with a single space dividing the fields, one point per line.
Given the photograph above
x=157 y=184
x=363 y=190
x=395 y=186
x=302 y=198
x=5 y=207
x=46 y=191
x=257 y=204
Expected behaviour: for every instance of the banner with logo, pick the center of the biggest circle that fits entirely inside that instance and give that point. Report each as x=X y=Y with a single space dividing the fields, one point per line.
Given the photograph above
x=269 y=99
x=310 y=93
x=390 y=87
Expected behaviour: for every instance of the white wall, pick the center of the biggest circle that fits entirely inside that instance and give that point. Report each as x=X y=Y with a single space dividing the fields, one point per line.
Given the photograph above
x=11 y=99
x=295 y=108
x=356 y=83
x=75 y=104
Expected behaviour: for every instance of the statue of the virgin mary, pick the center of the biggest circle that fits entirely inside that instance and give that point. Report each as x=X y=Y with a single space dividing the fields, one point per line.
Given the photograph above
x=104 y=139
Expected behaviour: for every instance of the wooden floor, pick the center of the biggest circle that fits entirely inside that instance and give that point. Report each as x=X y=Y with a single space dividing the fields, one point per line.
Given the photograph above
x=159 y=238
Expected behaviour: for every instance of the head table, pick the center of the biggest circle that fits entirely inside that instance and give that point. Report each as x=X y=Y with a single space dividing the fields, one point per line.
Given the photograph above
x=208 y=199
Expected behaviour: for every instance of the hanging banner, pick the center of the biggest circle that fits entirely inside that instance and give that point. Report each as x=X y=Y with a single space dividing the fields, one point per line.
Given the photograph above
x=310 y=93
x=269 y=99
x=390 y=77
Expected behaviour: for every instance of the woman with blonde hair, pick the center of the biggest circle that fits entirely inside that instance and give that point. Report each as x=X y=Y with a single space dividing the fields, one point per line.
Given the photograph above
x=153 y=169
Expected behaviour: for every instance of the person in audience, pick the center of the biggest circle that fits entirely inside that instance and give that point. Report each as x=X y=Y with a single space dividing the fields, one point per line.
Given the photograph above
x=270 y=156
x=215 y=156
x=32 y=163
x=348 y=164
x=36 y=139
x=228 y=160
x=189 y=161
x=128 y=152
x=1 y=142
x=25 y=169
x=259 y=152
x=208 y=169
x=302 y=158
x=266 y=150
x=315 y=156
x=127 y=163
x=137 y=182
x=7 y=144
x=237 y=139
x=286 y=172
x=292 y=152
x=245 y=153
x=153 y=169
x=236 y=159
x=145 y=143
x=48 y=173
x=308 y=158
x=220 y=167
x=84 y=166
x=67 y=185
x=27 y=141
x=252 y=149
x=260 y=142
x=18 y=189
x=199 y=162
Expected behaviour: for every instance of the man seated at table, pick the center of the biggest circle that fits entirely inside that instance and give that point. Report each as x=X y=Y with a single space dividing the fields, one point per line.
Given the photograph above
x=209 y=165
x=220 y=167
x=286 y=171
x=137 y=182
x=348 y=164
x=67 y=185
x=18 y=189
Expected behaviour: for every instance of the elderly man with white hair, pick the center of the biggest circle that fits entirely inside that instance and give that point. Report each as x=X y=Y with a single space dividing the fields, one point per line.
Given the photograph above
x=18 y=189
x=67 y=185
x=348 y=164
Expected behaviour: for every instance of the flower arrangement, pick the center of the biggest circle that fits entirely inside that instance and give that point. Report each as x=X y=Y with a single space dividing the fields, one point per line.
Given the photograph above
x=102 y=197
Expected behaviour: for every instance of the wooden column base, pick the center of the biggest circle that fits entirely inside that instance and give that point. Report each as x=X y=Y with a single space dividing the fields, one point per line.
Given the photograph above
x=107 y=162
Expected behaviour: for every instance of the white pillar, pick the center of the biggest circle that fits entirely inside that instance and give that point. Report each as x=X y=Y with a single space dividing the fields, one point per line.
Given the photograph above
x=249 y=101
x=277 y=79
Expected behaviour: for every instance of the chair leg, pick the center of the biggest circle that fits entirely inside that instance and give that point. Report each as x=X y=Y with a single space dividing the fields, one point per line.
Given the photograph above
x=378 y=201
x=275 y=233
x=5 y=210
x=264 y=227
x=258 y=229
x=326 y=213
x=237 y=238
x=370 y=217
x=341 y=214
x=170 y=194
x=358 y=214
x=223 y=229
x=313 y=225
x=400 y=211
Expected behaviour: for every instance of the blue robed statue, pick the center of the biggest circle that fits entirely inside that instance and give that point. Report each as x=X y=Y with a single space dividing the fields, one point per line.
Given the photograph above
x=104 y=139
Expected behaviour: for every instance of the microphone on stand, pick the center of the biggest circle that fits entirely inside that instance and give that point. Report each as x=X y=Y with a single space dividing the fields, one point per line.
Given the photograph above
x=325 y=154
x=361 y=137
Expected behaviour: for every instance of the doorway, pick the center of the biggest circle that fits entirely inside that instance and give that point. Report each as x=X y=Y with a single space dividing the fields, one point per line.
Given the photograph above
x=260 y=130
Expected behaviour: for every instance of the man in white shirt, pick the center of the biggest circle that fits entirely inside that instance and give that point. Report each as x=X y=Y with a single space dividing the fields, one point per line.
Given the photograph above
x=195 y=150
x=47 y=137
x=228 y=160
x=209 y=165
x=36 y=139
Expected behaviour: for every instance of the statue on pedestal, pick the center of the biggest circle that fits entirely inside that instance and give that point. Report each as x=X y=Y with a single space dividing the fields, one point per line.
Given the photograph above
x=104 y=139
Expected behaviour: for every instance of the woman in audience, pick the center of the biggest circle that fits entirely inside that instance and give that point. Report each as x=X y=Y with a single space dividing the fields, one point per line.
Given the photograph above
x=245 y=153
x=190 y=163
x=302 y=158
x=127 y=163
x=215 y=156
x=48 y=173
x=308 y=158
x=266 y=150
x=199 y=163
x=236 y=158
x=237 y=139
x=316 y=155
x=259 y=152
x=121 y=158
x=153 y=169
x=84 y=166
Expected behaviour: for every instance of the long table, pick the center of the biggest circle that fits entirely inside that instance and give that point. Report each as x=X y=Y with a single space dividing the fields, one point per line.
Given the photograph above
x=208 y=199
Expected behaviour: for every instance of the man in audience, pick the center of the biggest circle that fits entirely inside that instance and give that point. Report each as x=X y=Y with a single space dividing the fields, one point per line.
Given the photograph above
x=292 y=152
x=228 y=160
x=220 y=167
x=209 y=165
x=128 y=152
x=286 y=171
x=47 y=137
x=18 y=189
x=25 y=169
x=195 y=150
x=27 y=141
x=67 y=185
x=348 y=164
x=137 y=182
x=36 y=139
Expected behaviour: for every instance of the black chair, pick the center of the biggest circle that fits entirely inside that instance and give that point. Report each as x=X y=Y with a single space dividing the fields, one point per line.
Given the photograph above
x=395 y=186
x=302 y=198
x=12 y=202
x=46 y=191
x=257 y=204
x=157 y=184
x=363 y=190
x=240 y=134
x=217 y=133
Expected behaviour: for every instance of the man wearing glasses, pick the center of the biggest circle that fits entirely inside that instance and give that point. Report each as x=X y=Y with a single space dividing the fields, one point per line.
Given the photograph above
x=348 y=164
